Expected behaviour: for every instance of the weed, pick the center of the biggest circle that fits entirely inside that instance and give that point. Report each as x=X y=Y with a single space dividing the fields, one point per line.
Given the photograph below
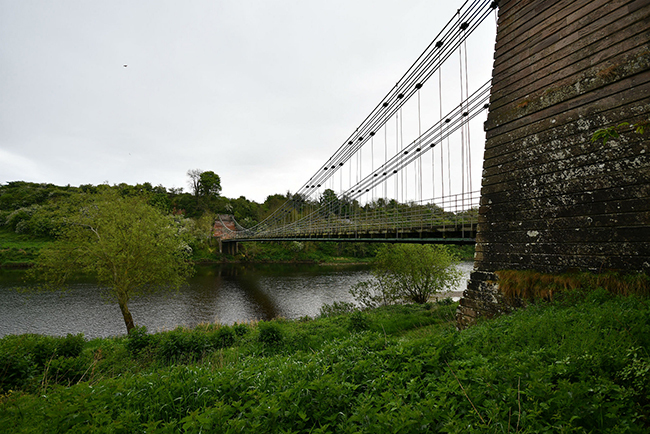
x=270 y=333
x=358 y=321
x=16 y=370
x=531 y=285
x=336 y=308
x=240 y=329
x=223 y=337
x=138 y=340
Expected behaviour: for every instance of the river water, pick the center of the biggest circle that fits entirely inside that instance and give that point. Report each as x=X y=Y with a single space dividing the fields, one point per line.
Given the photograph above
x=221 y=293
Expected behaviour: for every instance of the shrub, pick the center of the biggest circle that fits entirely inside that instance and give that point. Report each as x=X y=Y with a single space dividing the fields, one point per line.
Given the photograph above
x=16 y=369
x=240 y=329
x=270 y=334
x=177 y=344
x=358 y=321
x=408 y=272
x=42 y=348
x=336 y=308
x=46 y=348
x=71 y=345
x=67 y=369
x=138 y=340
x=223 y=337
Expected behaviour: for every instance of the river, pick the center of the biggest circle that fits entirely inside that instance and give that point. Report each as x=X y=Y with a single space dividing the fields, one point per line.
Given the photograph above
x=220 y=293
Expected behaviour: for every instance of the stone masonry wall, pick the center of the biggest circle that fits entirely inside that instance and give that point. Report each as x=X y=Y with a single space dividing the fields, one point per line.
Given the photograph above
x=552 y=200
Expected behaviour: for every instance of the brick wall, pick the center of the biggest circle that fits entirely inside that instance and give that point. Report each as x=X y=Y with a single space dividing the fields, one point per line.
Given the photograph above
x=553 y=200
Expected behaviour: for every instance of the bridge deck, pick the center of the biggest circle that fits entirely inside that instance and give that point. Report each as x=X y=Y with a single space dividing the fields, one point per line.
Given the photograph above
x=461 y=234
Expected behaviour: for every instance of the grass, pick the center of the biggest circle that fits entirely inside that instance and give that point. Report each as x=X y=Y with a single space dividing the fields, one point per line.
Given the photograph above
x=580 y=364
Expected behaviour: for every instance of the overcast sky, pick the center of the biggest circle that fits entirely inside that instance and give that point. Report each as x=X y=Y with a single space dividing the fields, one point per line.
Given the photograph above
x=261 y=92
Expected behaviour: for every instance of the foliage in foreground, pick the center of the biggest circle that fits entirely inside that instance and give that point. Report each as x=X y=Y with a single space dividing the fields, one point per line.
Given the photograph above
x=552 y=367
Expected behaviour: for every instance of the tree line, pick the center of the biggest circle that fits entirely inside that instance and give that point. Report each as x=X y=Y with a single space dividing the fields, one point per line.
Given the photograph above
x=28 y=208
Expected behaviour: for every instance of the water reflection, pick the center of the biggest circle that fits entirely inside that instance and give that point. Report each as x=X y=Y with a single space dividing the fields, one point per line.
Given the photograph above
x=223 y=293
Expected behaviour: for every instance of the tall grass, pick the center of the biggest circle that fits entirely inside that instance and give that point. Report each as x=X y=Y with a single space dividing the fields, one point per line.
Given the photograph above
x=530 y=285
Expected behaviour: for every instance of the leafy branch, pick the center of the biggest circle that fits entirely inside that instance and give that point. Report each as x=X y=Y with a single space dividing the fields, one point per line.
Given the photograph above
x=614 y=132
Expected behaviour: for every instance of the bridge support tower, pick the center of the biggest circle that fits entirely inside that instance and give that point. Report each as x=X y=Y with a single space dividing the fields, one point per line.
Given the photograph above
x=553 y=200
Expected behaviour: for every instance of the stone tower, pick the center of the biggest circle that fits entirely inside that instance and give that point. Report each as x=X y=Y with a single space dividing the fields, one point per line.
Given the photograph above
x=552 y=200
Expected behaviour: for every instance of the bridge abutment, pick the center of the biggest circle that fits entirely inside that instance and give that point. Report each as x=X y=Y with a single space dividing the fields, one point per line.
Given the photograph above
x=229 y=247
x=553 y=200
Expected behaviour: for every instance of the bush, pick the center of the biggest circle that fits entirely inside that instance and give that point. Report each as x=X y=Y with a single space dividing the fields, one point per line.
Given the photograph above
x=42 y=348
x=57 y=358
x=336 y=308
x=223 y=337
x=240 y=329
x=270 y=334
x=358 y=321
x=67 y=370
x=46 y=348
x=138 y=340
x=408 y=272
x=16 y=369
x=179 y=344
x=71 y=345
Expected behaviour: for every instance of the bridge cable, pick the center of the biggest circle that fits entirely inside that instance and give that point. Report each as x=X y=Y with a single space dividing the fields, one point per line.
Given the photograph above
x=462 y=130
x=469 y=147
x=454 y=121
x=442 y=156
x=429 y=61
x=473 y=13
x=418 y=177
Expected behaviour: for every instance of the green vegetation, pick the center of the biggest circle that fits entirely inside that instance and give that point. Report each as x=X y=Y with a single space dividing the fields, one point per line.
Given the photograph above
x=331 y=252
x=578 y=364
x=30 y=216
x=307 y=251
x=29 y=213
x=17 y=250
x=126 y=244
x=408 y=272
x=615 y=131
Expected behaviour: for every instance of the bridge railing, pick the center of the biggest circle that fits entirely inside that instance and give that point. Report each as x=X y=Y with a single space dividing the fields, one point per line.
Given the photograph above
x=453 y=213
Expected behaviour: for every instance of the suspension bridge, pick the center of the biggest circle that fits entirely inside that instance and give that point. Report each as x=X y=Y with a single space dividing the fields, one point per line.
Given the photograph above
x=405 y=173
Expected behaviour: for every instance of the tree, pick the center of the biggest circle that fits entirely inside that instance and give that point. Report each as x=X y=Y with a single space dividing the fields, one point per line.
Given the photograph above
x=204 y=183
x=209 y=184
x=206 y=187
x=195 y=177
x=270 y=205
x=126 y=244
x=408 y=272
x=329 y=203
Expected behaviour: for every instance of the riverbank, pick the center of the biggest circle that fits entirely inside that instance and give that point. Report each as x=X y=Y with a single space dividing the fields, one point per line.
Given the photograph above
x=579 y=364
x=21 y=251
